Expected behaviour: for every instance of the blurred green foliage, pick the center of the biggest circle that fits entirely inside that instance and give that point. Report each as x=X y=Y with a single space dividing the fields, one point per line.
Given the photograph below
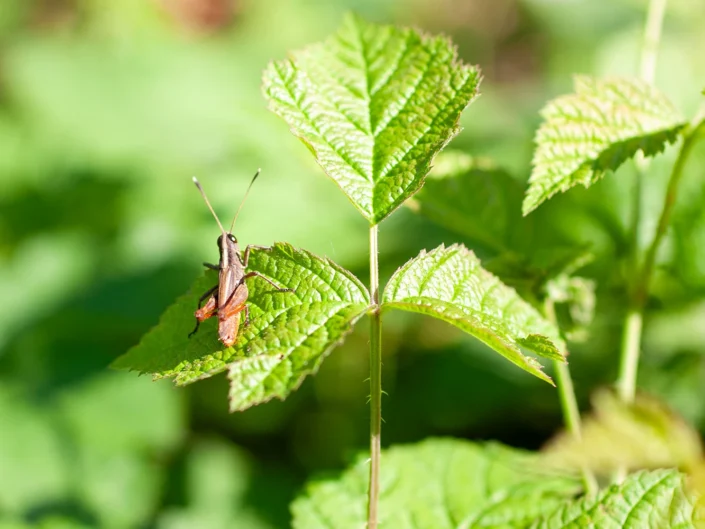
x=108 y=108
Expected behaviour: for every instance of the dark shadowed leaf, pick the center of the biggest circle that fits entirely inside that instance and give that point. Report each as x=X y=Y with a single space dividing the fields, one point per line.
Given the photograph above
x=472 y=197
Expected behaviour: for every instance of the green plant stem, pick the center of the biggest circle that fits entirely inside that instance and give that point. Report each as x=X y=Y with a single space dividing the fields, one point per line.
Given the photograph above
x=631 y=340
x=689 y=139
x=569 y=403
x=566 y=392
x=652 y=39
x=633 y=322
x=629 y=359
x=375 y=383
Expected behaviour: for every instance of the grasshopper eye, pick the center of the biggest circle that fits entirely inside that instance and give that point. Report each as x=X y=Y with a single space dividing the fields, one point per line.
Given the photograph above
x=232 y=237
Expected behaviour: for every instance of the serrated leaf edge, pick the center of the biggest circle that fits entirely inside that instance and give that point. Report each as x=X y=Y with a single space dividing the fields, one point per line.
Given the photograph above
x=476 y=76
x=533 y=365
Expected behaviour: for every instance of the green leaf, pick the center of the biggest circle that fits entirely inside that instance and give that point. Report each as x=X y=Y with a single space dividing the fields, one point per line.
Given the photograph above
x=132 y=493
x=374 y=104
x=473 y=197
x=32 y=467
x=532 y=274
x=644 y=434
x=123 y=414
x=450 y=284
x=655 y=500
x=596 y=129
x=289 y=335
x=51 y=521
x=577 y=294
x=116 y=421
x=438 y=484
x=218 y=478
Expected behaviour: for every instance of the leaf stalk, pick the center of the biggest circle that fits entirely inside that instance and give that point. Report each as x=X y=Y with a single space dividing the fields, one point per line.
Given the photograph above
x=652 y=39
x=375 y=383
x=633 y=322
x=569 y=403
x=690 y=136
x=631 y=341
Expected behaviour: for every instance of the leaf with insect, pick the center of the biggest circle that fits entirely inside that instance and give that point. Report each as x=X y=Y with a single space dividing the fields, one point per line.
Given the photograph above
x=440 y=484
x=374 y=104
x=289 y=335
x=596 y=129
x=450 y=284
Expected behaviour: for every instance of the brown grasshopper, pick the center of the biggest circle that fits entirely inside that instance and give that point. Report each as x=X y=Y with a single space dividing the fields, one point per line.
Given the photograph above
x=228 y=298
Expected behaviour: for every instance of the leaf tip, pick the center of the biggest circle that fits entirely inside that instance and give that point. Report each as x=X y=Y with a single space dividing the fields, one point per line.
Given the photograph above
x=528 y=205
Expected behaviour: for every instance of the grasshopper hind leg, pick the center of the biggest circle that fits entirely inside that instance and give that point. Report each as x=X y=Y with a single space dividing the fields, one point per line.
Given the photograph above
x=203 y=313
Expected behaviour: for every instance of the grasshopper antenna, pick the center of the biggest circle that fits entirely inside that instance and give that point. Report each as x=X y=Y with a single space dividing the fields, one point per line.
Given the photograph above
x=244 y=198
x=203 y=194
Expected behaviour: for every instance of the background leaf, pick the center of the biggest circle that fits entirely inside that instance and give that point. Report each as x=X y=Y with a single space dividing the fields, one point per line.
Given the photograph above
x=374 y=104
x=473 y=197
x=577 y=295
x=450 y=284
x=645 y=499
x=99 y=451
x=218 y=476
x=289 y=333
x=439 y=484
x=31 y=461
x=645 y=434
x=596 y=129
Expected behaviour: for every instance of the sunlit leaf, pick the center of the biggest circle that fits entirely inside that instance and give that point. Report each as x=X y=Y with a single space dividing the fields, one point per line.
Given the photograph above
x=596 y=129
x=374 y=104
x=439 y=484
x=450 y=284
x=290 y=333
x=656 y=499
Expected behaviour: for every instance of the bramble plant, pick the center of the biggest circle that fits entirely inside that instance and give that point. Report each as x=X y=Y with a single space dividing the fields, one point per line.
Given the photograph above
x=375 y=105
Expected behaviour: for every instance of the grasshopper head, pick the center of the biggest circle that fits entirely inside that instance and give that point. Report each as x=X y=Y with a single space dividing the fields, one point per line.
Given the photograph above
x=230 y=236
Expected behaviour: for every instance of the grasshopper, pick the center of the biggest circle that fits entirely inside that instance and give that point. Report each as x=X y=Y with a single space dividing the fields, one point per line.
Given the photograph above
x=228 y=299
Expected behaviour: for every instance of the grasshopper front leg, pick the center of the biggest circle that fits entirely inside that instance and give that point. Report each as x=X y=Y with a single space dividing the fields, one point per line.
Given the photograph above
x=246 y=259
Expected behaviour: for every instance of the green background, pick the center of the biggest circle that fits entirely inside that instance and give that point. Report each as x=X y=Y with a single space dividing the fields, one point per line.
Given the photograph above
x=107 y=108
